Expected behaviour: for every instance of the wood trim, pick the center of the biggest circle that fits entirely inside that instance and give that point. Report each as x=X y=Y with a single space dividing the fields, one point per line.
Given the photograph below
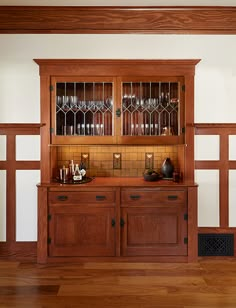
x=18 y=250
x=214 y=128
x=214 y=125
x=192 y=224
x=223 y=130
x=11 y=190
x=216 y=230
x=115 y=19
x=20 y=129
x=224 y=182
x=42 y=225
x=115 y=67
x=12 y=249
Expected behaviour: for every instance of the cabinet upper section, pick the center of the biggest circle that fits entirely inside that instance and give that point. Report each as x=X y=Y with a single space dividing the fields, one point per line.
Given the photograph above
x=116 y=101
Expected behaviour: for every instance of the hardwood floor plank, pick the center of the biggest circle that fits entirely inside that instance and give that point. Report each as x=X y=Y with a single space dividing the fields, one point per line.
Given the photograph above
x=29 y=290
x=110 y=290
x=8 y=264
x=210 y=283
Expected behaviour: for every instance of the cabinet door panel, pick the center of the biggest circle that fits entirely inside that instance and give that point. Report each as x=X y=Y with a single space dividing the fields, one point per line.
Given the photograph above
x=81 y=231
x=82 y=110
x=153 y=231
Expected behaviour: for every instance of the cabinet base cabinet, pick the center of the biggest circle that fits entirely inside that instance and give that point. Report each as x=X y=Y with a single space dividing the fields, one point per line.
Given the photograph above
x=81 y=231
x=120 y=223
x=153 y=231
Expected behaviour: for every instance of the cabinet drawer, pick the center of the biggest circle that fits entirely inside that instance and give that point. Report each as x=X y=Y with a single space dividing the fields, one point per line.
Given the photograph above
x=82 y=197
x=142 y=197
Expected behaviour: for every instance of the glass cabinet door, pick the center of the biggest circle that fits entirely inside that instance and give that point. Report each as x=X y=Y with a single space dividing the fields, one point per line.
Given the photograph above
x=83 y=108
x=110 y=110
x=151 y=108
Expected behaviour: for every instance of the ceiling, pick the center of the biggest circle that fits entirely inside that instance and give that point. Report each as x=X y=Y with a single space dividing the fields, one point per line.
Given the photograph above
x=119 y=2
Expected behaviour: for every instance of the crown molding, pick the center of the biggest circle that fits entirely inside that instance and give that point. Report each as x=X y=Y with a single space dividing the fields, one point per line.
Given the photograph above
x=117 y=20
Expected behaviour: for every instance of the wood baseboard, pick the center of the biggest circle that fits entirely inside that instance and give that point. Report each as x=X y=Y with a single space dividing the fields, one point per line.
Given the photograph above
x=18 y=251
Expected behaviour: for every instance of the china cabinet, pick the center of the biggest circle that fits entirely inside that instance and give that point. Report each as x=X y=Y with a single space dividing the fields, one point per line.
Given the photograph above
x=117 y=102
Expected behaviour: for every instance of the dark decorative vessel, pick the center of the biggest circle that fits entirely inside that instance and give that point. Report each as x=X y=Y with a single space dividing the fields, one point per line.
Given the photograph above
x=167 y=169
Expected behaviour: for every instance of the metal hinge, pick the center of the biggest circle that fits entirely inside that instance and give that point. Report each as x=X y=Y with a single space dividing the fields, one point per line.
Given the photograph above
x=51 y=130
x=49 y=240
x=122 y=222
x=185 y=216
x=183 y=87
x=49 y=217
x=51 y=88
x=185 y=240
x=183 y=130
x=113 y=222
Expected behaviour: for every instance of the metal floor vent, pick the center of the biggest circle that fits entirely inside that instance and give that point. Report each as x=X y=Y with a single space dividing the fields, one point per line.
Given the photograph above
x=215 y=244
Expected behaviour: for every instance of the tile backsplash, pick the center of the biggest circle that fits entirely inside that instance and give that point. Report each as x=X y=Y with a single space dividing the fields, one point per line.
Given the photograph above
x=101 y=158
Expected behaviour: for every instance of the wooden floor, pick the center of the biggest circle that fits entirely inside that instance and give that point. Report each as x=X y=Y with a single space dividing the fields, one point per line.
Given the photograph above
x=207 y=284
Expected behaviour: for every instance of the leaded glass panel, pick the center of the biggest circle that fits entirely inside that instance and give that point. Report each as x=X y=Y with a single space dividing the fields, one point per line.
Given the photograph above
x=84 y=108
x=150 y=108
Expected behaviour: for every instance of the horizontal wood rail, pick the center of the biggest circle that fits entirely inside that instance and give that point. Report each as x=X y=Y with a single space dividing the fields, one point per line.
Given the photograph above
x=114 y=19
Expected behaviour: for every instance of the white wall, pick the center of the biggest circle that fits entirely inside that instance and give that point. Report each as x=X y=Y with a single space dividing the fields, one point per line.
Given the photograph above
x=215 y=99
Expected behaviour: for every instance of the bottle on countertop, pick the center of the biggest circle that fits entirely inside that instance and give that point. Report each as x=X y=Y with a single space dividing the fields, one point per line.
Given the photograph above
x=167 y=168
x=77 y=174
x=71 y=168
x=82 y=168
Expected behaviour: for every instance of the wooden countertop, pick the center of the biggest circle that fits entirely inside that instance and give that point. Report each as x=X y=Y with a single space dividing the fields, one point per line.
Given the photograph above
x=120 y=182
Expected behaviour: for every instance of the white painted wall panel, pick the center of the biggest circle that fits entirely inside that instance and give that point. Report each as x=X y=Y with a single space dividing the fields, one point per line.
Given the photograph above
x=232 y=198
x=215 y=77
x=28 y=147
x=3 y=147
x=208 y=197
x=207 y=147
x=232 y=147
x=26 y=204
x=3 y=187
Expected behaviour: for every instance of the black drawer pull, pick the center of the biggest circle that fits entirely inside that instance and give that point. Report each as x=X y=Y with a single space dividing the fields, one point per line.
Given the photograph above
x=62 y=198
x=134 y=197
x=100 y=198
x=172 y=197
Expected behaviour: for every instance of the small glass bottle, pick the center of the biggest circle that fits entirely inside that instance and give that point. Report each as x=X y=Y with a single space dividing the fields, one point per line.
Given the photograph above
x=77 y=175
x=71 y=169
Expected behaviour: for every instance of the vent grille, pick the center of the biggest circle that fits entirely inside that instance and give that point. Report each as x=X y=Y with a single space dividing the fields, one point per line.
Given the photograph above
x=215 y=244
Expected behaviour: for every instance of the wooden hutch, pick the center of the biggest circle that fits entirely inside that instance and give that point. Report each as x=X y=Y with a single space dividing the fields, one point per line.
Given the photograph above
x=117 y=102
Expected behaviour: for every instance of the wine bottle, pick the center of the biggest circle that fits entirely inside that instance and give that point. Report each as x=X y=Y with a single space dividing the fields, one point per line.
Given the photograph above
x=77 y=174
